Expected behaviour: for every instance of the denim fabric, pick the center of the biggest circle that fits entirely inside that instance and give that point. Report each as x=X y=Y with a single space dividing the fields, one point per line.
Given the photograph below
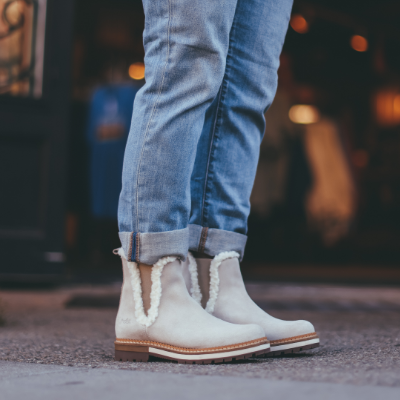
x=214 y=241
x=140 y=246
x=228 y=150
x=210 y=75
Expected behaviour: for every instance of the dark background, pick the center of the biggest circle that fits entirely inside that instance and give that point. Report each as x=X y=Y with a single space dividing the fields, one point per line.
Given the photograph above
x=106 y=35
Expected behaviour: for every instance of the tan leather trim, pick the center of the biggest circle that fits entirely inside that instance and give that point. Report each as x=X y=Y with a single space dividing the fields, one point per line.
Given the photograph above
x=132 y=343
x=129 y=347
x=294 y=339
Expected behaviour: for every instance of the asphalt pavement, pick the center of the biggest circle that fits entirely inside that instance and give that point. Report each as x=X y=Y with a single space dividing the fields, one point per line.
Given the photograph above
x=61 y=341
x=47 y=382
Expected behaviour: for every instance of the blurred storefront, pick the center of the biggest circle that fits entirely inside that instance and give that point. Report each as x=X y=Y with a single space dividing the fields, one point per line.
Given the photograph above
x=35 y=48
x=108 y=70
x=331 y=174
x=327 y=191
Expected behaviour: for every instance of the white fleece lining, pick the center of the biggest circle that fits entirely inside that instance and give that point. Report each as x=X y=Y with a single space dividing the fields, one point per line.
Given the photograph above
x=156 y=291
x=194 y=278
x=214 y=277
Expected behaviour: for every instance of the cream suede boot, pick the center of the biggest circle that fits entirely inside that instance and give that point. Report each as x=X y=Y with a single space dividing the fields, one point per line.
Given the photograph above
x=224 y=295
x=158 y=317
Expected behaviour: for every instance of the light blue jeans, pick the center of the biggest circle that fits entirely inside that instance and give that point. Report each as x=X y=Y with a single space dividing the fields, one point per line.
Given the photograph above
x=197 y=124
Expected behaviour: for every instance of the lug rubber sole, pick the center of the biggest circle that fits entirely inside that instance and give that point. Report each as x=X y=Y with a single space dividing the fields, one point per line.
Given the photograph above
x=293 y=344
x=141 y=351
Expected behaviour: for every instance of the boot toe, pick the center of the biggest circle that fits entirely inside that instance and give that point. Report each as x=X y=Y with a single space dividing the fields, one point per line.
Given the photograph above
x=246 y=333
x=276 y=329
x=296 y=328
x=304 y=327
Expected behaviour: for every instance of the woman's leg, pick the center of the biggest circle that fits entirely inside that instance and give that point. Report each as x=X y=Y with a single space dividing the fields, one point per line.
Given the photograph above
x=186 y=43
x=228 y=150
x=225 y=169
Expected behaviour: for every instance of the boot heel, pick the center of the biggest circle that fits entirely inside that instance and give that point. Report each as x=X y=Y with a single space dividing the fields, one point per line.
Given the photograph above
x=121 y=355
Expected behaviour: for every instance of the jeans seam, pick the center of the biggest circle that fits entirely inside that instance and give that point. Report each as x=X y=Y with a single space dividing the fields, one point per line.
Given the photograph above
x=130 y=246
x=216 y=125
x=153 y=111
x=203 y=239
x=209 y=157
x=137 y=247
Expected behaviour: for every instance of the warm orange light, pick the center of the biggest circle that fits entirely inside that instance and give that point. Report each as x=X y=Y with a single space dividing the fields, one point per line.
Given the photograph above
x=360 y=158
x=304 y=114
x=396 y=105
x=15 y=12
x=299 y=23
x=387 y=107
x=136 y=71
x=359 y=43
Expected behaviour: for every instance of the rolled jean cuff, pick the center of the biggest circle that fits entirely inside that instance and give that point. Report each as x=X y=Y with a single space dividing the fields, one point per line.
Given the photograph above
x=214 y=241
x=148 y=248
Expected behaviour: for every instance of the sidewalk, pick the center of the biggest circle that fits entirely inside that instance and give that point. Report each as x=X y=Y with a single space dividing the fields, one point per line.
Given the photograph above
x=45 y=382
x=71 y=331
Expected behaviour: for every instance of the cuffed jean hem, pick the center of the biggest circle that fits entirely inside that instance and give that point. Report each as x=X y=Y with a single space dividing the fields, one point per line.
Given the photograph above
x=214 y=241
x=148 y=248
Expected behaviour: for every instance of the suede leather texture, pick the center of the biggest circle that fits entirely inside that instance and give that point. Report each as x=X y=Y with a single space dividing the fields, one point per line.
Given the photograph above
x=186 y=274
x=145 y=275
x=203 y=270
x=126 y=326
x=181 y=321
x=235 y=305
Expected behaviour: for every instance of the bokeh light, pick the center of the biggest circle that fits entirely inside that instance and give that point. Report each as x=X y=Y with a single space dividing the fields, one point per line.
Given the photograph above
x=299 y=23
x=303 y=114
x=387 y=107
x=359 y=43
x=14 y=12
x=136 y=71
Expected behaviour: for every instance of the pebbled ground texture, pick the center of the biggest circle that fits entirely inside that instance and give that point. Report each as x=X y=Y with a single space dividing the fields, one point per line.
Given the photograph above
x=359 y=345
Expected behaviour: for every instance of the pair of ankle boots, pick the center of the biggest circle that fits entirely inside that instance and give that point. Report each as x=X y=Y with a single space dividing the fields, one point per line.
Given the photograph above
x=198 y=311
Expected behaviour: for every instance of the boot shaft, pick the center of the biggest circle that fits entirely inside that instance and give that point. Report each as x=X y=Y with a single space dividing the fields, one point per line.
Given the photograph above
x=214 y=274
x=140 y=297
